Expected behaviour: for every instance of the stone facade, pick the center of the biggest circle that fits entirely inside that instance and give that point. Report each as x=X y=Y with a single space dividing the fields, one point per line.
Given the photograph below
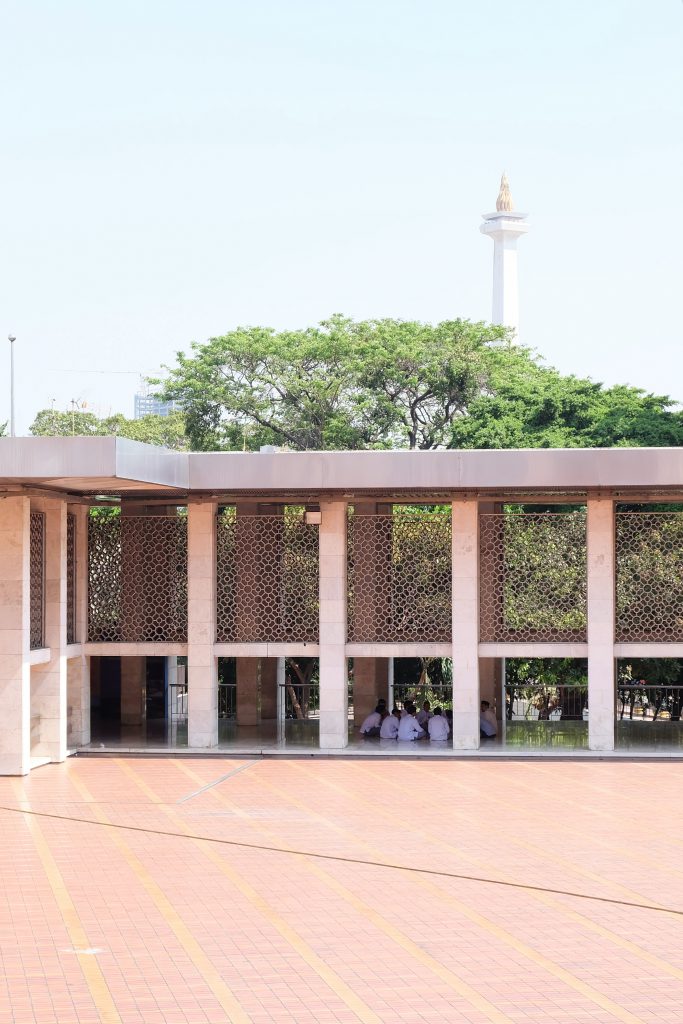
x=389 y=576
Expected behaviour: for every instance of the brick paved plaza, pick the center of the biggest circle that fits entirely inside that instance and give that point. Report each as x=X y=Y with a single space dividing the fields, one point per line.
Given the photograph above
x=150 y=890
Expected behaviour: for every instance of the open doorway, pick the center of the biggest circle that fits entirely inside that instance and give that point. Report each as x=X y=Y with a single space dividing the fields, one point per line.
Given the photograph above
x=268 y=701
x=546 y=702
x=649 y=703
x=138 y=701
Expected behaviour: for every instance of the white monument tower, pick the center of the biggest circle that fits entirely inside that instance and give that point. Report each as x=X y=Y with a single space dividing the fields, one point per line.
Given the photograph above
x=505 y=227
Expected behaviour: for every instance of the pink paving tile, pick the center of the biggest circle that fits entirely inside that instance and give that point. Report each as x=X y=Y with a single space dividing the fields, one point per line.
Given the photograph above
x=536 y=894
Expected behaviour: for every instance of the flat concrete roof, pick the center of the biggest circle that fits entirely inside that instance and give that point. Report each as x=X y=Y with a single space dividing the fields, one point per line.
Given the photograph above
x=93 y=465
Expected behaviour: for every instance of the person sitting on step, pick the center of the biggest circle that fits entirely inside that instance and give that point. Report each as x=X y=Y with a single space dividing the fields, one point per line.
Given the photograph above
x=372 y=723
x=488 y=726
x=437 y=727
x=409 y=728
x=389 y=727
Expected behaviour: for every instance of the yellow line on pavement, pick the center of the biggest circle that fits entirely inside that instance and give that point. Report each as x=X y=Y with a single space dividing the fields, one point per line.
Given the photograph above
x=577 y=869
x=613 y=848
x=504 y=936
x=234 y=1011
x=461 y=987
x=482 y=865
x=305 y=951
x=92 y=972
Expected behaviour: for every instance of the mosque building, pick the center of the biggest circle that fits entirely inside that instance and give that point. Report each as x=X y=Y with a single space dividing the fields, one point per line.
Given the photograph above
x=263 y=603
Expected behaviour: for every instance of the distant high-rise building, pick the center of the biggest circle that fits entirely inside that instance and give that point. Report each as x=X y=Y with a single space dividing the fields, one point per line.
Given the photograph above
x=152 y=405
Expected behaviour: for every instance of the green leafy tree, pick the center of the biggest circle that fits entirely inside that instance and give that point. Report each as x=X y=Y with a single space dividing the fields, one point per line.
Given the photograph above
x=168 y=431
x=649 y=584
x=527 y=405
x=544 y=556
x=649 y=684
x=340 y=385
x=547 y=684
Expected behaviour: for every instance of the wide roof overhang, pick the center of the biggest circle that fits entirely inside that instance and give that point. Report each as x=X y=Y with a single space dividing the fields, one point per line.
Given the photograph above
x=117 y=466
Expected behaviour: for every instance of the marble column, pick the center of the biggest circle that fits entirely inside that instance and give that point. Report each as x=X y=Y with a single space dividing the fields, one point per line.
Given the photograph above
x=202 y=664
x=15 y=669
x=247 y=675
x=48 y=681
x=370 y=682
x=257 y=614
x=601 y=602
x=372 y=599
x=489 y=683
x=465 y=558
x=78 y=664
x=269 y=689
x=133 y=689
x=334 y=699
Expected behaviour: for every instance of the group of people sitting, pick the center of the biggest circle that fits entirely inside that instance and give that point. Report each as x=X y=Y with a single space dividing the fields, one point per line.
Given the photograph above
x=408 y=723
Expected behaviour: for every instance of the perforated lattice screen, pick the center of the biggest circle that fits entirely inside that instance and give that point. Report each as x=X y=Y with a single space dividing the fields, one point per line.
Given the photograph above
x=137 y=578
x=37 y=580
x=399 y=576
x=267 y=578
x=649 y=571
x=70 y=578
x=533 y=577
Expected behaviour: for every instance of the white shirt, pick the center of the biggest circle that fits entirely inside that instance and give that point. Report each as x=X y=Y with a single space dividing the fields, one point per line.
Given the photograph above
x=423 y=717
x=487 y=722
x=438 y=727
x=389 y=730
x=408 y=728
x=371 y=722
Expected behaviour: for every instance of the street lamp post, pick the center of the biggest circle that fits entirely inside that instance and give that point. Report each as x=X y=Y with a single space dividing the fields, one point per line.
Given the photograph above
x=11 y=340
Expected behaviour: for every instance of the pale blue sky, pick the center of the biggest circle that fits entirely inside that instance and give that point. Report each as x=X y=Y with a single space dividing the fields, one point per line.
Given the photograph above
x=173 y=169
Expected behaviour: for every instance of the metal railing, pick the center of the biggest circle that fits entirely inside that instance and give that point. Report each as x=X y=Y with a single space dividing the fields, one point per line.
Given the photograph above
x=227 y=701
x=539 y=702
x=438 y=695
x=177 y=702
x=299 y=701
x=649 y=703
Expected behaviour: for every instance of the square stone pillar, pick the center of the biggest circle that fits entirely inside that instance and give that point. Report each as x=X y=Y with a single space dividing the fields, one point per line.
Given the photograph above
x=247 y=675
x=465 y=559
x=171 y=670
x=78 y=665
x=202 y=664
x=334 y=692
x=15 y=669
x=601 y=604
x=48 y=681
x=268 y=689
x=372 y=599
x=370 y=682
x=78 y=701
x=489 y=683
x=133 y=689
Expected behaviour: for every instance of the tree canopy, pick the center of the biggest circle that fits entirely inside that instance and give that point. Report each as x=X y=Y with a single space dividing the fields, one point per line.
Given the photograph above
x=168 y=431
x=342 y=384
x=384 y=383
x=401 y=384
x=528 y=405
